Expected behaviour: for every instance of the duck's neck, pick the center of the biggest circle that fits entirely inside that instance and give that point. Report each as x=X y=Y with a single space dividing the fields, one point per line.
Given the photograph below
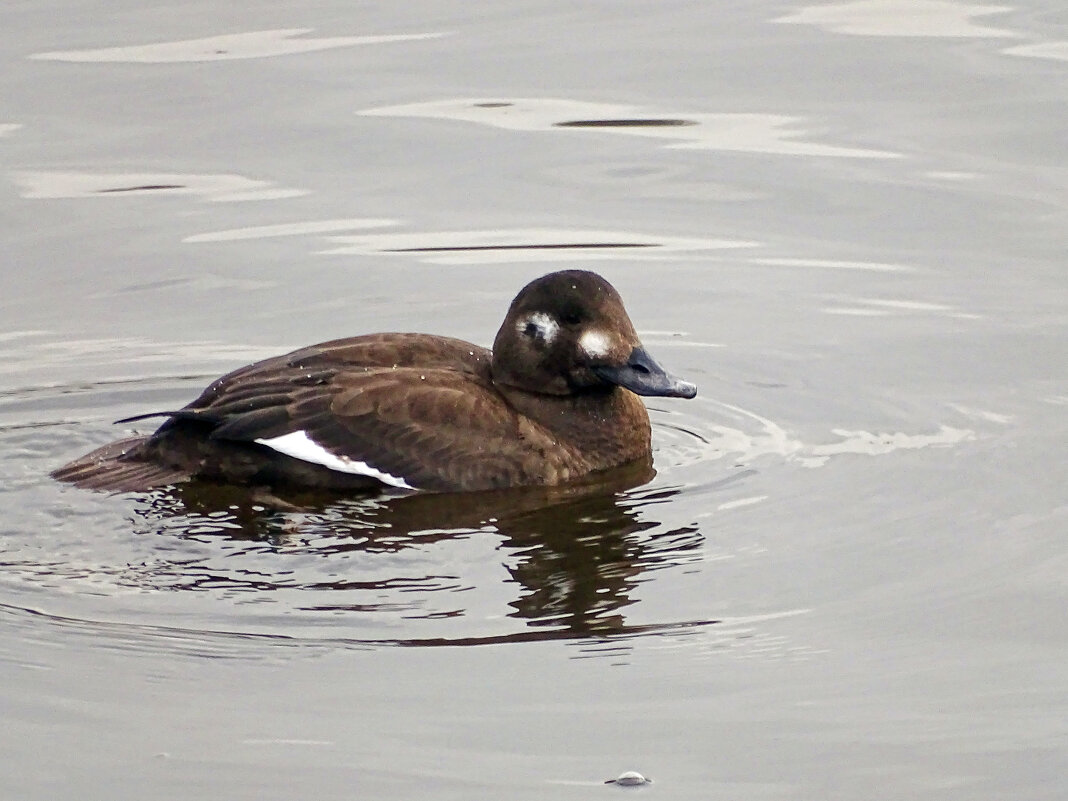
x=610 y=428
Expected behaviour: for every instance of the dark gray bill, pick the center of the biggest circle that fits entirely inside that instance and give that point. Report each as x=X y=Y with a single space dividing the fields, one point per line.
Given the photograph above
x=642 y=375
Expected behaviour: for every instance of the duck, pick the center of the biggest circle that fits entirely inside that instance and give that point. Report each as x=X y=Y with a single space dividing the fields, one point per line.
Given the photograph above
x=555 y=400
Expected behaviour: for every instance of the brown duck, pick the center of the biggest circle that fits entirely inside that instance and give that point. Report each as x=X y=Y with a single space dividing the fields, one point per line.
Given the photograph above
x=556 y=399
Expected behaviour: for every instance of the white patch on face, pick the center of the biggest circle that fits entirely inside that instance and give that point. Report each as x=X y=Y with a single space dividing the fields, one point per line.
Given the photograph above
x=545 y=326
x=300 y=446
x=595 y=344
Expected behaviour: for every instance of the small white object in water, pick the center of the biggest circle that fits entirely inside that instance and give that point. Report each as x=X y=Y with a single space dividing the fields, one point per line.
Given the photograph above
x=629 y=778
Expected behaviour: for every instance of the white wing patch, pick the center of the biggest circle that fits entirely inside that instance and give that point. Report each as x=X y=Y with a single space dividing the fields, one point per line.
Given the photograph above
x=545 y=326
x=595 y=344
x=300 y=446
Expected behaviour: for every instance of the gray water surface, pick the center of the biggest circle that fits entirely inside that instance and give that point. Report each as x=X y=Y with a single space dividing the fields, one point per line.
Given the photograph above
x=846 y=223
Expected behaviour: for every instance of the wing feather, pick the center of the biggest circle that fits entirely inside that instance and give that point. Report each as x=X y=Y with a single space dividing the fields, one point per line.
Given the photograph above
x=438 y=427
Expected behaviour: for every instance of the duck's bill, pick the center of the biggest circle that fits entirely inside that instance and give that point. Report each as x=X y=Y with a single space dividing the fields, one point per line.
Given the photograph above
x=643 y=376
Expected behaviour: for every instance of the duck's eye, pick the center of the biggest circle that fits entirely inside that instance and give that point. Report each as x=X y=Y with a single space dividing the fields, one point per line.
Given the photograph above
x=571 y=317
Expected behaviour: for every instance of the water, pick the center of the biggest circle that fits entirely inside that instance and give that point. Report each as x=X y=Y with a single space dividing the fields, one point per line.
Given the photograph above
x=846 y=223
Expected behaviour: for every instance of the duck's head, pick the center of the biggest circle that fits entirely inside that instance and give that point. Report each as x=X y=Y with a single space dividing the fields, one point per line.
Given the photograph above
x=567 y=333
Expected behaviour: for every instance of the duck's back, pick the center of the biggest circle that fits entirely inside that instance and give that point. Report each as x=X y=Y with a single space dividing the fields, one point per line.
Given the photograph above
x=388 y=350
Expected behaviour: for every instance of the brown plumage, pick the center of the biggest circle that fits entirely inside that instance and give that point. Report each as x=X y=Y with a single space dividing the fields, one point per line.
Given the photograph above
x=553 y=401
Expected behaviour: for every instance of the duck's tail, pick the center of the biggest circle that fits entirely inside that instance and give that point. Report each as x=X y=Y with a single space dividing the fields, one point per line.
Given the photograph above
x=119 y=467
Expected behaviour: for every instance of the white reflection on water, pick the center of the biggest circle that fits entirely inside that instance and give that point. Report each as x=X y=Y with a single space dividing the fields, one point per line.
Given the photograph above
x=481 y=246
x=903 y=305
x=836 y=264
x=290 y=229
x=254 y=44
x=868 y=443
x=8 y=127
x=884 y=307
x=213 y=188
x=741 y=502
x=983 y=414
x=1058 y=51
x=749 y=133
x=684 y=439
x=900 y=18
x=526 y=245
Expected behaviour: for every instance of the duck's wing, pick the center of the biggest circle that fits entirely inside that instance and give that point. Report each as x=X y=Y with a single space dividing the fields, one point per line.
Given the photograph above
x=318 y=364
x=412 y=428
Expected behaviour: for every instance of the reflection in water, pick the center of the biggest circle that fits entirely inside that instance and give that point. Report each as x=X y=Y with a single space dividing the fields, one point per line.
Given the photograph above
x=145 y=188
x=575 y=552
x=744 y=132
x=549 y=246
x=302 y=228
x=217 y=188
x=526 y=244
x=254 y=44
x=943 y=18
x=1058 y=51
x=624 y=123
x=582 y=559
x=462 y=247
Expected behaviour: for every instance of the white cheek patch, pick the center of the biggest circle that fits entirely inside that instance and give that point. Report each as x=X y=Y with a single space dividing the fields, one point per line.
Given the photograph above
x=300 y=446
x=544 y=325
x=595 y=344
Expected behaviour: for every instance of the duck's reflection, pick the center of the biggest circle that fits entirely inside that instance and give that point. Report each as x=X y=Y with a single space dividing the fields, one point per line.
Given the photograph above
x=575 y=553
